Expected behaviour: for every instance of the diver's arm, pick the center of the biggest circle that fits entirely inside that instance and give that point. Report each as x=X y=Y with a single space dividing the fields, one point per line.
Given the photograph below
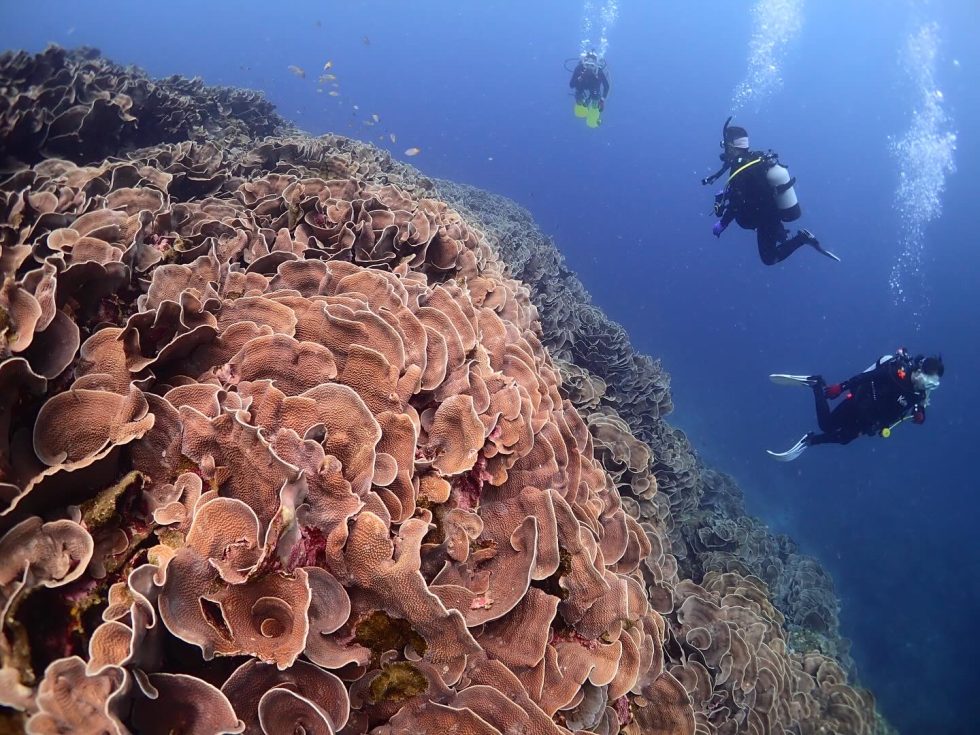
x=576 y=76
x=603 y=84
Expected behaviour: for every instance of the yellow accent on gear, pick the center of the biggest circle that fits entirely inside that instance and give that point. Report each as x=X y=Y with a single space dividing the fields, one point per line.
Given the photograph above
x=580 y=110
x=740 y=169
x=592 y=119
x=886 y=432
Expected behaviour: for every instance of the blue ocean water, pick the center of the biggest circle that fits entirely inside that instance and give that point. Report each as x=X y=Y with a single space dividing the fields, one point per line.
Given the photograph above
x=480 y=88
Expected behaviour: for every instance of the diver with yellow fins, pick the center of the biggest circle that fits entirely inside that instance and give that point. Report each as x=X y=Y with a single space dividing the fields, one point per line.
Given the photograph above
x=895 y=389
x=591 y=85
x=759 y=195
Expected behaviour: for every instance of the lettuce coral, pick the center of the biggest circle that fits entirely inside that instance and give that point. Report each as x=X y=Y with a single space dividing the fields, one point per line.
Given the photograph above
x=282 y=448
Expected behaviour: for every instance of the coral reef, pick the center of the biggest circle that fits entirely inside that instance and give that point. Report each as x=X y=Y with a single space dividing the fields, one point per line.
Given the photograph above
x=699 y=510
x=286 y=447
x=79 y=106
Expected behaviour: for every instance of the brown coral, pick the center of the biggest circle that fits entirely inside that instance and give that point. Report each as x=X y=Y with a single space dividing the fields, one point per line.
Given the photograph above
x=296 y=416
x=304 y=432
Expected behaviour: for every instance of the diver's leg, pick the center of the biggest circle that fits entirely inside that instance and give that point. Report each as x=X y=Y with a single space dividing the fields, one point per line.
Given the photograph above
x=844 y=422
x=826 y=438
x=824 y=420
x=839 y=436
x=781 y=247
x=771 y=237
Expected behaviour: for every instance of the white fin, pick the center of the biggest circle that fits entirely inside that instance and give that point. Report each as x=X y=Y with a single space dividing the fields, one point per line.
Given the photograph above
x=782 y=379
x=823 y=251
x=792 y=453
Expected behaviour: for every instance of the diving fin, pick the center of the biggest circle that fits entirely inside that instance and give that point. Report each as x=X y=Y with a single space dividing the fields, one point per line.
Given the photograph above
x=814 y=243
x=581 y=110
x=781 y=379
x=823 y=251
x=593 y=116
x=793 y=452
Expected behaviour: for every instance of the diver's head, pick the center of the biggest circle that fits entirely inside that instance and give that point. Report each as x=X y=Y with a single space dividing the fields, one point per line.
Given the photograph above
x=590 y=60
x=736 y=141
x=927 y=371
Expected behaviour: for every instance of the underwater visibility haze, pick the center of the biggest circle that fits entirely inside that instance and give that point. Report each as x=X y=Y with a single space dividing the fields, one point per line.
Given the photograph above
x=838 y=591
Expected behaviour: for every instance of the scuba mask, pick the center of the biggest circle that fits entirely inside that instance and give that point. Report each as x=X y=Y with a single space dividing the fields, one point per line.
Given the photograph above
x=734 y=139
x=925 y=381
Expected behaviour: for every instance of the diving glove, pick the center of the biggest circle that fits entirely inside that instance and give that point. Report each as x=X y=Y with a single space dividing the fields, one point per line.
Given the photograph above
x=719 y=203
x=717 y=228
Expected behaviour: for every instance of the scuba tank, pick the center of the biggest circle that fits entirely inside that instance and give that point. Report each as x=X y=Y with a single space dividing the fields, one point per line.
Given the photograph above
x=783 y=192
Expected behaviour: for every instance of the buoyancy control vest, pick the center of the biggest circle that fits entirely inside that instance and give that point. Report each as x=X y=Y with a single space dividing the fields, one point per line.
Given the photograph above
x=778 y=179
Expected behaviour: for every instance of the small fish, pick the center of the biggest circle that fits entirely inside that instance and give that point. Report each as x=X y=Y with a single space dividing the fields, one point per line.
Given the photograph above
x=356 y=107
x=365 y=40
x=393 y=138
x=412 y=151
x=334 y=93
x=72 y=30
x=328 y=77
x=368 y=123
x=298 y=71
x=375 y=118
x=328 y=65
x=318 y=24
x=319 y=91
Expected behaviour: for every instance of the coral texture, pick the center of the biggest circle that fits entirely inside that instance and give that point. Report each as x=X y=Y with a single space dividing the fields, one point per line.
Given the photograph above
x=700 y=510
x=82 y=107
x=284 y=448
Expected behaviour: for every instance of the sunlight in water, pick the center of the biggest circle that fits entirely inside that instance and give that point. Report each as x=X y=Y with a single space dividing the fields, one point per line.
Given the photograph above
x=776 y=23
x=925 y=156
x=602 y=17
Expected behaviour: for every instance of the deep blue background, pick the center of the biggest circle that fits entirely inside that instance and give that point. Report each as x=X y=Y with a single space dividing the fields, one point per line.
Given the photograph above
x=481 y=89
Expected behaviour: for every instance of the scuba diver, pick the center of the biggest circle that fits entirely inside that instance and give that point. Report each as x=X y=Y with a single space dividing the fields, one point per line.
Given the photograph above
x=759 y=196
x=893 y=390
x=591 y=85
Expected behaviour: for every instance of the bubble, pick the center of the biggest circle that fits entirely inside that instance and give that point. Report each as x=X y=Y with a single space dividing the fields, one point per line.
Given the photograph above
x=777 y=23
x=925 y=155
x=604 y=18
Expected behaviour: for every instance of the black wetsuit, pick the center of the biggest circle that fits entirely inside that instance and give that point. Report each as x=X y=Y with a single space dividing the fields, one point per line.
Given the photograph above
x=749 y=201
x=590 y=85
x=870 y=402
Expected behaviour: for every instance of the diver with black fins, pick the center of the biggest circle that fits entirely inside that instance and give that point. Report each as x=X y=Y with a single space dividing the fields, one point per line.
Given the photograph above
x=893 y=390
x=591 y=85
x=759 y=195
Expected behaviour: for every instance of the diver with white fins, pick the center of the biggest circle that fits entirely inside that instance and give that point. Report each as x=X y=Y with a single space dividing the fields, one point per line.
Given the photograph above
x=591 y=84
x=759 y=195
x=893 y=390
